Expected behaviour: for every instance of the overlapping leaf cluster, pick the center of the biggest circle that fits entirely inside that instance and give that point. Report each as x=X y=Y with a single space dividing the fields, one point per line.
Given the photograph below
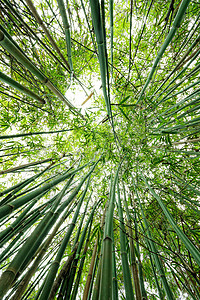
x=99 y=202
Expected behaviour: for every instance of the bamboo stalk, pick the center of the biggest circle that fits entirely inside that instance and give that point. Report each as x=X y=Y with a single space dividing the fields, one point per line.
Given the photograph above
x=106 y=274
x=62 y=274
x=94 y=253
x=98 y=27
x=175 y=25
x=75 y=262
x=23 y=284
x=132 y=249
x=24 y=90
x=67 y=31
x=19 y=219
x=78 y=277
x=33 y=133
x=158 y=263
x=30 y=246
x=140 y=268
x=16 y=188
x=35 y=163
x=96 y=289
x=18 y=54
x=114 y=273
x=125 y=266
x=9 y=207
x=41 y=23
x=55 y=265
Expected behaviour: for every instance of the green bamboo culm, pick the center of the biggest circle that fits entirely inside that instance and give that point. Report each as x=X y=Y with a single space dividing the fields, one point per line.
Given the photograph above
x=25 y=251
x=80 y=244
x=22 y=58
x=133 y=262
x=7 y=44
x=175 y=25
x=19 y=186
x=160 y=292
x=154 y=250
x=125 y=265
x=96 y=288
x=106 y=274
x=11 y=136
x=20 y=218
x=79 y=273
x=188 y=244
x=95 y=261
x=99 y=33
x=49 y=220
x=24 y=90
x=175 y=69
x=63 y=14
x=25 y=166
x=42 y=24
x=140 y=267
x=55 y=265
x=10 y=207
x=88 y=226
x=41 y=252
x=114 y=272
x=111 y=38
x=48 y=283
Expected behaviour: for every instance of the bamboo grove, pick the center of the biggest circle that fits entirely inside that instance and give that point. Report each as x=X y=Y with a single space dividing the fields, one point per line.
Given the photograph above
x=99 y=149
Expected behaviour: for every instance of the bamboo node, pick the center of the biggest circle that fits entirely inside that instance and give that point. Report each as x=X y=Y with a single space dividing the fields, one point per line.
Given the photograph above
x=55 y=262
x=107 y=237
x=10 y=205
x=11 y=270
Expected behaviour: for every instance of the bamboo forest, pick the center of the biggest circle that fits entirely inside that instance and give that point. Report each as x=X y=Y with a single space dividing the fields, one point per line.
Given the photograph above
x=99 y=149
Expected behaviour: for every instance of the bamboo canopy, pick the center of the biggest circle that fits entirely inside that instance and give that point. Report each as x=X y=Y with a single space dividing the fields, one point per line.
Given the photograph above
x=99 y=149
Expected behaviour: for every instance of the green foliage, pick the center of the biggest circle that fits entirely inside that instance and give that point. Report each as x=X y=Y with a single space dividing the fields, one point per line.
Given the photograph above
x=139 y=79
